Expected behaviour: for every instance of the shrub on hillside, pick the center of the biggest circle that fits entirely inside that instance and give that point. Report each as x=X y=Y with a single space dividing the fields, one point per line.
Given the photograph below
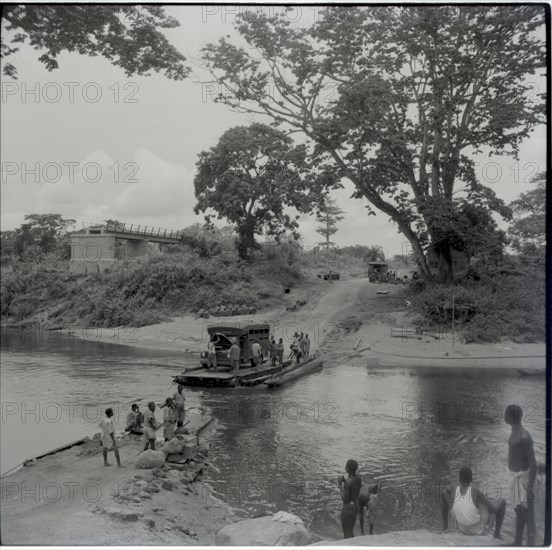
x=509 y=304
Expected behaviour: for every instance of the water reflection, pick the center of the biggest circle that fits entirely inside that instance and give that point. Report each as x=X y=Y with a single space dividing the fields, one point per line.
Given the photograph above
x=411 y=429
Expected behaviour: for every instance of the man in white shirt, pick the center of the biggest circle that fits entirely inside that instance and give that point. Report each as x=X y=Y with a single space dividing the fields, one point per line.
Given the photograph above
x=466 y=504
x=256 y=353
x=108 y=438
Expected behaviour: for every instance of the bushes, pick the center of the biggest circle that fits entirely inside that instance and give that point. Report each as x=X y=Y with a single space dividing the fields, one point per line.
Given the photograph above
x=500 y=305
x=143 y=292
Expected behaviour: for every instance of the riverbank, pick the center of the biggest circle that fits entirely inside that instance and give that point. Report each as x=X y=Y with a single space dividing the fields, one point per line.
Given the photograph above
x=342 y=317
x=70 y=498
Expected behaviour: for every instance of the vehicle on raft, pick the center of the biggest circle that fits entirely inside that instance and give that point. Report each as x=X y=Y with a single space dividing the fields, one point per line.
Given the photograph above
x=223 y=335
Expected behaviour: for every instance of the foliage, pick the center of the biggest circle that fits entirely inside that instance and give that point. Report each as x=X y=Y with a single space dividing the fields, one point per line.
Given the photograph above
x=249 y=178
x=129 y=36
x=395 y=98
x=372 y=253
x=143 y=292
x=528 y=230
x=491 y=303
x=328 y=216
x=40 y=235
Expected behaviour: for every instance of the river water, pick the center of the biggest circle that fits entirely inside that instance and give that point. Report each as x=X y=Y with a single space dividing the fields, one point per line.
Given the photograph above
x=283 y=449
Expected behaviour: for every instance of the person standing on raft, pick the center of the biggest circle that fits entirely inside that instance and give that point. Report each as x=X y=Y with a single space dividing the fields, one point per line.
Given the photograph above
x=349 y=489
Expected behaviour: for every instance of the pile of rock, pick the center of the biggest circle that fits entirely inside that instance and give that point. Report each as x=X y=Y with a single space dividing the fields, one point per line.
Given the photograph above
x=226 y=311
x=296 y=305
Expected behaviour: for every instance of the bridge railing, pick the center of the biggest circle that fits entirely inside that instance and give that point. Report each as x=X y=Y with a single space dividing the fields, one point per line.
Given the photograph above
x=143 y=230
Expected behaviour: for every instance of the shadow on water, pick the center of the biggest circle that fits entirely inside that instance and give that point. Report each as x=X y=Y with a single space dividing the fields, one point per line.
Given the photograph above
x=411 y=429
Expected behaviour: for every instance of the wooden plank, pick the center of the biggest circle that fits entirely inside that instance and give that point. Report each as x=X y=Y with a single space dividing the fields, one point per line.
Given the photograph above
x=79 y=441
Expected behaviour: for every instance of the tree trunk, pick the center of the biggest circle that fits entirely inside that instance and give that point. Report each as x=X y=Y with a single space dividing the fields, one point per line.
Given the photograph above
x=246 y=238
x=421 y=259
x=444 y=258
x=327 y=232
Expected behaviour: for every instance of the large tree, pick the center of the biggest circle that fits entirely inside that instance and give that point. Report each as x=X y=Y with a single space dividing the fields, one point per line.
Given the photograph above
x=398 y=99
x=42 y=234
x=128 y=36
x=249 y=178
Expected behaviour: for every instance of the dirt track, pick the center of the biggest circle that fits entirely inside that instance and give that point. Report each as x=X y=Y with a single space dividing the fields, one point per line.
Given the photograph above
x=336 y=315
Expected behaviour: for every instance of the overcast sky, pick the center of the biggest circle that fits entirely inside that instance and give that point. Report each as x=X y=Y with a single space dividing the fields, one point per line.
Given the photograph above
x=145 y=134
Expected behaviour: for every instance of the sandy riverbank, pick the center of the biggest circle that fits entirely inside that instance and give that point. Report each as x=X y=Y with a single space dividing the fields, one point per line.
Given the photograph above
x=71 y=498
x=337 y=316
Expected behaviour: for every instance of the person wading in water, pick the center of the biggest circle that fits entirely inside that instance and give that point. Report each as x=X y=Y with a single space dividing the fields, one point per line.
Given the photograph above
x=349 y=489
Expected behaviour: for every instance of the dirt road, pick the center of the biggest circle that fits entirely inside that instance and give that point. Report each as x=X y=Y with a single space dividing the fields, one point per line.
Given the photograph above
x=335 y=316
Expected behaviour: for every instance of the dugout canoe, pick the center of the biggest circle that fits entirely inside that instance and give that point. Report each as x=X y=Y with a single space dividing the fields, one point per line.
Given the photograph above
x=532 y=372
x=296 y=372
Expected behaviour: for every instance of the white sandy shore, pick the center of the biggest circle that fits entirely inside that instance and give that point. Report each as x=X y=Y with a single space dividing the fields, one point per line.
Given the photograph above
x=330 y=307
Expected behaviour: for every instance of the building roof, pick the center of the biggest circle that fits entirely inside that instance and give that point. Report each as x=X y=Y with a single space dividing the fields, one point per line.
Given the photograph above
x=377 y=263
x=236 y=327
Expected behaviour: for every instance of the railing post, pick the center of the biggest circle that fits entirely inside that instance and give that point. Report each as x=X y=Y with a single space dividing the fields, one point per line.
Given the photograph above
x=138 y=230
x=130 y=230
x=165 y=234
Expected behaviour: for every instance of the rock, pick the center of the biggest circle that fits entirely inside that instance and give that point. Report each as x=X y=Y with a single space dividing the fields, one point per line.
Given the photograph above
x=159 y=473
x=263 y=531
x=173 y=475
x=168 y=485
x=143 y=494
x=205 y=315
x=150 y=459
x=119 y=514
x=252 y=310
x=176 y=467
x=172 y=447
x=292 y=307
x=150 y=523
x=151 y=489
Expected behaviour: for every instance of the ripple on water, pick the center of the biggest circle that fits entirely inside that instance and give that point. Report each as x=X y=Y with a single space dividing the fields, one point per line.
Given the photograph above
x=289 y=454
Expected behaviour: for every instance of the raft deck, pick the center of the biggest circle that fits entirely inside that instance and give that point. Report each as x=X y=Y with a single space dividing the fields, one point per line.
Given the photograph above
x=246 y=376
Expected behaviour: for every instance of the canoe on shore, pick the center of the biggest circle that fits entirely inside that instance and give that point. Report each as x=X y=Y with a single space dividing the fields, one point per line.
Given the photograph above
x=296 y=371
x=532 y=372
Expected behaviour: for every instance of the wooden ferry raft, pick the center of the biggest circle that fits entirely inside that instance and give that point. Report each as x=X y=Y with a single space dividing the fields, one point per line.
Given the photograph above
x=246 y=376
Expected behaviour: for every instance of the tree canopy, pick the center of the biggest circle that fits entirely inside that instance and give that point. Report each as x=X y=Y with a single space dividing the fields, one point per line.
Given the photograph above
x=128 y=36
x=398 y=99
x=40 y=234
x=528 y=229
x=249 y=178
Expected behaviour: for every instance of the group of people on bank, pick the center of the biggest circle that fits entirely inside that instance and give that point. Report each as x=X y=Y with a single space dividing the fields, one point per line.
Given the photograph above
x=472 y=511
x=145 y=424
x=299 y=350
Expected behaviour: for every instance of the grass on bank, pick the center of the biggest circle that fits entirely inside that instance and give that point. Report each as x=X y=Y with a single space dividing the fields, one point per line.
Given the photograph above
x=491 y=303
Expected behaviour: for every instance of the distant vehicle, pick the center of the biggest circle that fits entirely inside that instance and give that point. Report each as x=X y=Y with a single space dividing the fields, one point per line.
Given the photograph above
x=245 y=333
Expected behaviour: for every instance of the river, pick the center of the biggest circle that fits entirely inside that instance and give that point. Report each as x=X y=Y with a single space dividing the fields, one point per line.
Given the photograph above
x=283 y=449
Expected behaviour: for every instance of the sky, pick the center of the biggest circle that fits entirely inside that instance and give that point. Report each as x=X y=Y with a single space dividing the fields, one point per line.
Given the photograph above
x=89 y=143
